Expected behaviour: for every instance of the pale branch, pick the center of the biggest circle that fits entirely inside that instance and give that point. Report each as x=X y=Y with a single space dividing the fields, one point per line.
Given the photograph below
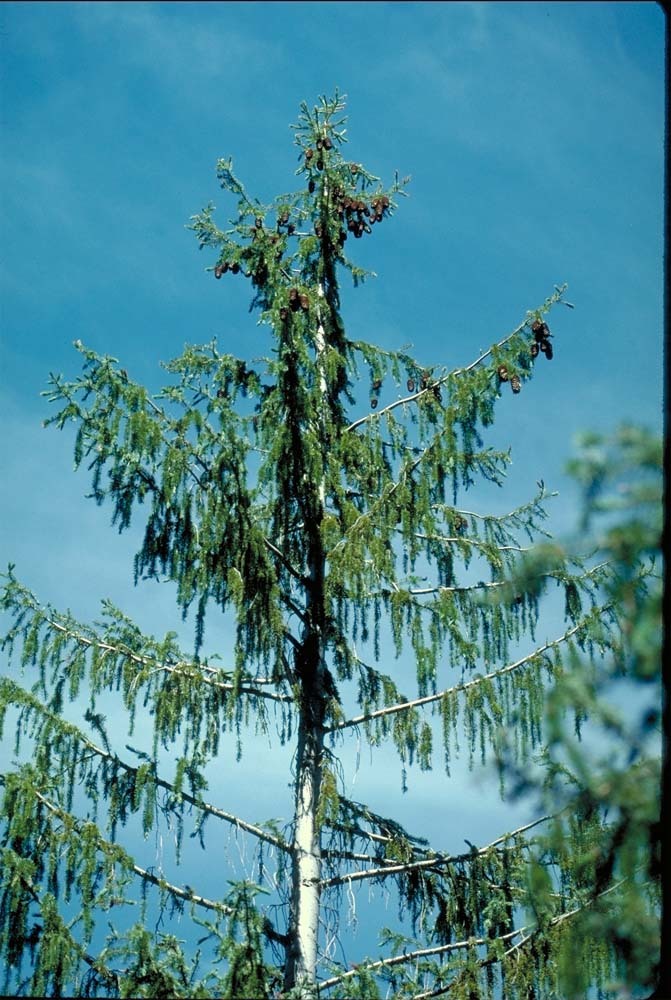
x=25 y=698
x=474 y=542
x=528 y=935
x=404 y=706
x=181 y=893
x=411 y=956
x=436 y=861
x=184 y=668
x=426 y=591
x=285 y=562
x=441 y=380
x=466 y=588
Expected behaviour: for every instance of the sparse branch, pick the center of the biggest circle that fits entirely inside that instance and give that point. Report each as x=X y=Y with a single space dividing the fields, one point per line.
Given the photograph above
x=147 y=876
x=524 y=932
x=457 y=688
x=480 y=585
x=435 y=861
x=412 y=956
x=19 y=695
x=443 y=379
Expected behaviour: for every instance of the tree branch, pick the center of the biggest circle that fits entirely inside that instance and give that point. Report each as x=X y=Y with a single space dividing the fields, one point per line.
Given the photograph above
x=23 y=697
x=444 y=378
x=94 y=963
x=174 y=890
x=437 y=861
x=182 y=667
x=462 y=686
x=442 y=949
x=441 y=990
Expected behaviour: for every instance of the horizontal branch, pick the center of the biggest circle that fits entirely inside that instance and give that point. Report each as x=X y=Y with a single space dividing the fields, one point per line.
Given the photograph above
x=437 y=861
x=462 y=686
x=477 y=543
x=481 y=585
x=174 y=890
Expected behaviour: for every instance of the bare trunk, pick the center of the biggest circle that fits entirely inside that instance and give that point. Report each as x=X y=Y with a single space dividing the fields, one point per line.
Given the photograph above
x=302 y=958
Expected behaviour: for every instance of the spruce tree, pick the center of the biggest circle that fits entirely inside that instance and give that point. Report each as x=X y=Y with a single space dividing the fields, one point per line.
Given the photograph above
x=316 y=499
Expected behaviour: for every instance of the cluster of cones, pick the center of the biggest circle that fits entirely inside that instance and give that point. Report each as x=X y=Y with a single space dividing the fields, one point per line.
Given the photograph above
x=541 y=345
x=321 y=145
x=297 y=300
x=541 y=332
x=505 y=376
x=357 y=215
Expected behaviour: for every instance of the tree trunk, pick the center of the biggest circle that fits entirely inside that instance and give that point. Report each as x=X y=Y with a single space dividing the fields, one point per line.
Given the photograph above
x=304 y=928
x=316 y=684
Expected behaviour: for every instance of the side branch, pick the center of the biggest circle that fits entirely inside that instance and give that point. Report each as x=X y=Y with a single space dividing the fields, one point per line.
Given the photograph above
x=525 y=932
x=412 y=397
x=174 y=890
x=436 y=861
x=528 y=935
x=111 y=978
x=462 y=686
x=14 y=693
x=208 y=675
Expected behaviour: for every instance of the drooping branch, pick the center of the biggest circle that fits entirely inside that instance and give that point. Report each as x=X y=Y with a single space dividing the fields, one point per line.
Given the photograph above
x=442 y=380
x=158 y=657
x=458 y=688
x=12 y=693
x=110 y=977
x=435 y=861
x=526 y=933
x=106 y=846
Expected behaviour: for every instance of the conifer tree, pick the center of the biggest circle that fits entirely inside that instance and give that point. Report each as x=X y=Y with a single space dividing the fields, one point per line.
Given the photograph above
x=316 y=498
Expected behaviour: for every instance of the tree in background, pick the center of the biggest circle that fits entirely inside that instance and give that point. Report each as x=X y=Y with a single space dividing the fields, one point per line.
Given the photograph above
x=615 y=771
x=315 y=497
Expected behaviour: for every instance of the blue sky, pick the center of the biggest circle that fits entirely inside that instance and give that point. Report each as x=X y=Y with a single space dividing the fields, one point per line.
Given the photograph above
x=534 y=136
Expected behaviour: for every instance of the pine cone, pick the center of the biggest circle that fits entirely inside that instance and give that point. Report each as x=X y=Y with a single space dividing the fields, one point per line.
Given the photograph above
x=411 y=385
x=534 y=350
x=515 y=384
x=540 y=330
x=373 y=402
x=502 y=372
